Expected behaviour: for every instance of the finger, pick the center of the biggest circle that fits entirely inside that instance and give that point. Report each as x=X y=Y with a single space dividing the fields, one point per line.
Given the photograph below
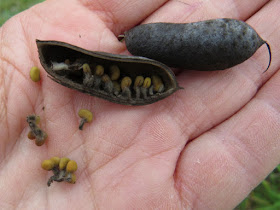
x=120 y=15
x=239 y=152
x=193 y=11
x=235 y=156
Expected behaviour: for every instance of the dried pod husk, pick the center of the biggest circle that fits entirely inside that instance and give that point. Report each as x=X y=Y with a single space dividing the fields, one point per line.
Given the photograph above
x=53 y=55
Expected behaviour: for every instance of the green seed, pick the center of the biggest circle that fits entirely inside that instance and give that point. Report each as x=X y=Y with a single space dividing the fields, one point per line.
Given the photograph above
x=35 y=74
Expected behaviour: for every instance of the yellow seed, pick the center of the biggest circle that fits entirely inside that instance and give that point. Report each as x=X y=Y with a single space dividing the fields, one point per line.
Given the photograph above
x=86 y=68
x=99 y=70
x=37 y=119
x=47 y=165
x=126 y=82
x=73 y=179
x=115 y=72
x=71 y=166
x=84 y=113
x=63 y=162
x=147 y=82
x=35 y=74
x=31 y=135
x=55 y=160
x=139 y=80
x=157 y=83
x=105 y=78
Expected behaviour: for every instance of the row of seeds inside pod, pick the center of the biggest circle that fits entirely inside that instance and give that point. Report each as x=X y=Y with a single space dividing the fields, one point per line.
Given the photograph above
x=121 y=87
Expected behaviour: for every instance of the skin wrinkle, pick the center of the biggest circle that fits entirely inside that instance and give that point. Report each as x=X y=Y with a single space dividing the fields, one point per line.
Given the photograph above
x=135 y=163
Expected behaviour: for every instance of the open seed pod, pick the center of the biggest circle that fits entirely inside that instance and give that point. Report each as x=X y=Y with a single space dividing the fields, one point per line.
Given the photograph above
x=108 y=76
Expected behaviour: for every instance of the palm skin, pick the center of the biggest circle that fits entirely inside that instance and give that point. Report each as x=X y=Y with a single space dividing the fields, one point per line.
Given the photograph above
x=205 y=147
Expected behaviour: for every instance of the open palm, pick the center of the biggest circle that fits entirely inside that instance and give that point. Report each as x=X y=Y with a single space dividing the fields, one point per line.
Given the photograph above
x=205 y=147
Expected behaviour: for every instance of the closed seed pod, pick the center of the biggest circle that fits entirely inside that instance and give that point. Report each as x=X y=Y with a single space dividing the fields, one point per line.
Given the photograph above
x=206 y=45
x=72 y=76
x=63 y=162
x=47 y=165
x=71 y=166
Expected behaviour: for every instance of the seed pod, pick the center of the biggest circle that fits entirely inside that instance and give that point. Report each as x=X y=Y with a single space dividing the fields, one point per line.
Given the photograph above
x=72 y=76
x=207 y=45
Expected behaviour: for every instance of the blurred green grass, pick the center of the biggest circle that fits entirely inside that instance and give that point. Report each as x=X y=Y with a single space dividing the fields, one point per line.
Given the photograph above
x=9 y=8
x=264 y=197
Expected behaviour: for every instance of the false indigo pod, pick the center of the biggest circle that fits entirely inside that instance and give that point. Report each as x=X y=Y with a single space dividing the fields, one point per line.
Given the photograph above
x=102 y=74
x=215 y=44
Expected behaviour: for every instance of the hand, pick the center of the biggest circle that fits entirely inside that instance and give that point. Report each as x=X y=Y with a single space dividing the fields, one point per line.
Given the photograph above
x=205 y=147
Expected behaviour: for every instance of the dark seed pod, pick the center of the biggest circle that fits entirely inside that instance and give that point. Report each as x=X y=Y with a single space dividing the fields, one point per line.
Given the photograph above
x=101 y=74
x=207 y=45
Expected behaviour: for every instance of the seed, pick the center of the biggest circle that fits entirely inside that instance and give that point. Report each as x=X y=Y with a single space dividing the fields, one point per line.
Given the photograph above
x=63 y=162
x=36 y=131
x=35 y=74
x=115 y=72
x=157 y=84
x=37 y=119
x=206 y=45
x=105 y=78
x=55 y=160
x=139 y=80
x=71 y=166
x=47 y=165
x=147 y=82
x=99 y=70
x=31 y=136
x=108 y=84
x=86 y=116
x=88 y=79
x=86 y=68
x=126 y=82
